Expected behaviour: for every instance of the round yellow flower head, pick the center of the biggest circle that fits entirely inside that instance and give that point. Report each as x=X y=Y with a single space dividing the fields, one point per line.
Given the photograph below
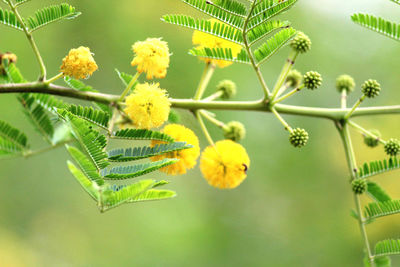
x=79 y=63
x=225 y=164
x=151 y=57
x=187 y=157
x=210 y=41
x=148 y=106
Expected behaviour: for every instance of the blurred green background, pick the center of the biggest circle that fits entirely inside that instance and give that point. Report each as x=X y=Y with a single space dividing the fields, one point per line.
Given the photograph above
x=294 y=207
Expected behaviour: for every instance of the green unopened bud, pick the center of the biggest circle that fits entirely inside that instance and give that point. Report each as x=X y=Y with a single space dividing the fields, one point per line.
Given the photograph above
x=371 y=88
x=301 y=43
x=294 y=78
x=346 y=83
x=234 y=131
x=312 y=80
x=359 y=186
x=298 y=137
x=392 y=147
x=371 y=141
x=228 y=89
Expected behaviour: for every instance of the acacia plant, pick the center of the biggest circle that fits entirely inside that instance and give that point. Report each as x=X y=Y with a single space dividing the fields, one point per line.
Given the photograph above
x=238 y=32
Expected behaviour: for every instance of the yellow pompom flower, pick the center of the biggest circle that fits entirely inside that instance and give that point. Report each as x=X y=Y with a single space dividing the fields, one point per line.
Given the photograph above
x=151 y=57
x=79 y=63
x=224 y=165
x=148 y=106
x=210 y=41
x=187 y=157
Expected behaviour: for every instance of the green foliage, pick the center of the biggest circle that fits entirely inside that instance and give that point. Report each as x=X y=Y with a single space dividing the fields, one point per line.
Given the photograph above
x=387 y=247
x=221 y=54
x=378 y=167
x=216 y=28
x=268 y=9
x=97 y=117
x=90 y=187
x=51 y=14
x=49 y=102
x=91 y=140
x=378 y=24
x=127 y=172
x=13 y=135
x=264 y=29
x=86 y=165
x=227 y=16
x=377 y=193
x=78 y=85
x=153 y=194
x=380 y=209
x=266 y=50
x=38 y=116
x=112 y=198
x=126 y=78
x=14 y=74
x=136 y=153
x=141 y=134
x=239 y=26
x=8 y=18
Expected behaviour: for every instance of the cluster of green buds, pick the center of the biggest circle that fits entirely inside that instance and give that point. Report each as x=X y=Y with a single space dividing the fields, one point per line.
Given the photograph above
x=345 y=83
x=298 y=137
x=227 y=88
x=301 y=43
x=359 y=186
x=234 y=131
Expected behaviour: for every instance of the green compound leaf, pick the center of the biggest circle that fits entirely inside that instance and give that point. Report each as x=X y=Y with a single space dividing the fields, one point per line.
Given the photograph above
x=14 y=74
x=265 y=29
x=154 y=194
x=136 y=153
x=89 y=186
x=49 y=102
x=396 y=1
x=8 y=148
x=231 y=6
x=377 y=193
x=378 y=167
x=21 y=2
x=51 y=14
x=78 y=85
x=221 y=54
x=268 y=9
x=86 y=165
x=127 y=172
x=381 y=209
x=228 y=17
x=380 y=25
x=115 y=196
x=383 y=261
x=217 y=29
x=38 y=116
x=387 y=247
x=97 y=117
x=8 y=18
x=273 y=44
x=142 y=134
x=92 y=141
x=13 y=135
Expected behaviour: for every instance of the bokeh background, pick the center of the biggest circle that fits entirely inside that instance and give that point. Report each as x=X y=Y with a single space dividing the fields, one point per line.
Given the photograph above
x=294 y=207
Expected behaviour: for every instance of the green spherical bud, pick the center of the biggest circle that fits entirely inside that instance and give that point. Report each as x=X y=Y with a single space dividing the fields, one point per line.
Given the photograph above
x=228 y=89
x=298 y=137
x=234 y=131
x=294 y=78
x=370 y=141
x=301 y=43
x=371 y=88
x=359 y=186
x=392 y=147
x=345 y=82
x=312 y=80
